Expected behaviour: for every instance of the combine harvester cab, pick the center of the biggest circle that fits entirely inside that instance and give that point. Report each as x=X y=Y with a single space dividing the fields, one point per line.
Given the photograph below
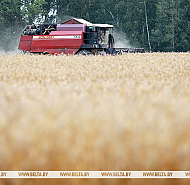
x=75 y=36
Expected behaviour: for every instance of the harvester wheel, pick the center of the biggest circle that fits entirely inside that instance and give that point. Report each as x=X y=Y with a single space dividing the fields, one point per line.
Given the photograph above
x=24 y=52
x=84 y=52
x=102 y=53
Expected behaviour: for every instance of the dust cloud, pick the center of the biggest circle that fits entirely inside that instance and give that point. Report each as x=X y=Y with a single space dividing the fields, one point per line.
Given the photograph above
x=120 y=40
x=2 y=51
x=60 y=19
x=11 y=51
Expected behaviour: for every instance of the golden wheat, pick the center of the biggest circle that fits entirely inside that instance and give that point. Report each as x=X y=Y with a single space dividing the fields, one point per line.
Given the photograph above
x=129 y=112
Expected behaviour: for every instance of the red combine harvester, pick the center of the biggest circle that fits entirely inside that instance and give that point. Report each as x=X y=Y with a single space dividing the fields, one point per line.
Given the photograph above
x=75 y=36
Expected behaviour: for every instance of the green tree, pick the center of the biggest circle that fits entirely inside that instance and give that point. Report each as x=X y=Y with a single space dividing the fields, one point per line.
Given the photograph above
x=157 y=25
x=33 y=10
x=11 y=22
x=171 y=31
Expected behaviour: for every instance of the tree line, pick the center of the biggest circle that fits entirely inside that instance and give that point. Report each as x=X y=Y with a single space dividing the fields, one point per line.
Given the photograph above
x=156 y=25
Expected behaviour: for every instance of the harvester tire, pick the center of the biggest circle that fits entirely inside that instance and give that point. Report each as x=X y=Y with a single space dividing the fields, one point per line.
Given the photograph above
x=84 y=52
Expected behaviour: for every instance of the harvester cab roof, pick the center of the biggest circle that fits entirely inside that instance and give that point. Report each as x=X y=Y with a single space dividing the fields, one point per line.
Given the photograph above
x=98 y=34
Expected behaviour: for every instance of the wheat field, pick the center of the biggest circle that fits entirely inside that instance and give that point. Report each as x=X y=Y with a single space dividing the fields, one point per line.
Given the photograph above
x=129 y=112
